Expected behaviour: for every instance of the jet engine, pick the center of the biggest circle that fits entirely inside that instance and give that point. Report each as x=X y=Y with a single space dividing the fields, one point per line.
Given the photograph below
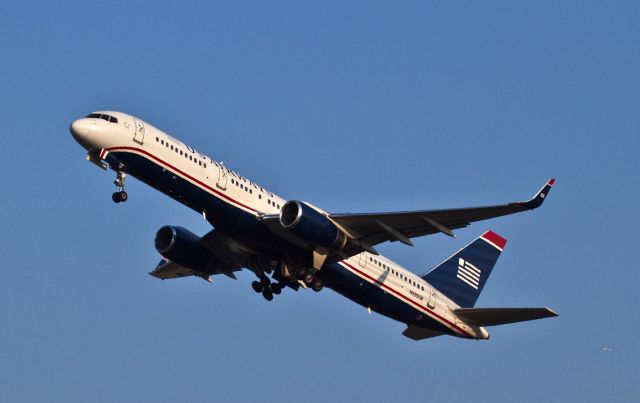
x=311 y=225
x=184 y=248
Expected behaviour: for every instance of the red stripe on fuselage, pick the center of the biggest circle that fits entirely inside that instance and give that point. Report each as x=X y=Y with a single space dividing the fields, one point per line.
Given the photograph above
x=183 y=174
x=399 y=294
x=430 y=312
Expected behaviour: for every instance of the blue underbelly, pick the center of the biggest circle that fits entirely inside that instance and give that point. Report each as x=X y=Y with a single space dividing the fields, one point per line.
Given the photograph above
x=371 y=296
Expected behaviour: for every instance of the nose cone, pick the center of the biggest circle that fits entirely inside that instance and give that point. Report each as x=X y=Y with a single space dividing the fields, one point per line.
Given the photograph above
x=80 y=130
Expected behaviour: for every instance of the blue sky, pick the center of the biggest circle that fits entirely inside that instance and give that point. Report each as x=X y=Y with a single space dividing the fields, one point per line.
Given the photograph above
x=353 y=106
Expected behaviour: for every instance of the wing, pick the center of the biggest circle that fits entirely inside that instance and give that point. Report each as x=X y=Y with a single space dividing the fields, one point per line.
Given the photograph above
x=367 y=230
x=167 y=269
x=229 y=256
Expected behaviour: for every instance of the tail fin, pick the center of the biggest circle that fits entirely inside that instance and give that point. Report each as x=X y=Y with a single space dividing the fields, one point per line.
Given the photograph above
x=462 y=276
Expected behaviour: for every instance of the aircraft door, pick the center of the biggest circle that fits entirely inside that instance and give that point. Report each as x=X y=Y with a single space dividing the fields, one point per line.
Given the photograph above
x=222 y=177
x=138 y=135
x=362 y=259
x=432 y=298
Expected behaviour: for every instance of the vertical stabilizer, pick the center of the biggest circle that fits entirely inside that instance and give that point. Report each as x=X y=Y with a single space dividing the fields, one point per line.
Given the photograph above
x=462 y=276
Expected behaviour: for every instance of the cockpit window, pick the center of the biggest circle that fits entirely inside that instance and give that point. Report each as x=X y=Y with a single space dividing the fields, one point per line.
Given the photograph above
x=108 y=118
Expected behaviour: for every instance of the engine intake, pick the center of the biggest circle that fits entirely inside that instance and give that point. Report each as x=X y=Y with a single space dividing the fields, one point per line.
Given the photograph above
x=311 y=225
x=184 y=248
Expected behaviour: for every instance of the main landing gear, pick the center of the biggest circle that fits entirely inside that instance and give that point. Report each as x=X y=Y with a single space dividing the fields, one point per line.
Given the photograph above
x=266 y=287
x=120 y=196
x=311 y=279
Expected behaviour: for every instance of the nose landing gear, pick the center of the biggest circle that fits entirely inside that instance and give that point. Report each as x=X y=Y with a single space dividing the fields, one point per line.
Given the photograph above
x=120 y=196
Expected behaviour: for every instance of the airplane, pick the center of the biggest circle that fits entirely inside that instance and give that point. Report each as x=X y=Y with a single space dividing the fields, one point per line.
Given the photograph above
x=294 y=244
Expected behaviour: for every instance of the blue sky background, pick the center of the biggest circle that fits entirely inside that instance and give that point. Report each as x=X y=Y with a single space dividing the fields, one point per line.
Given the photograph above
x=353 y=106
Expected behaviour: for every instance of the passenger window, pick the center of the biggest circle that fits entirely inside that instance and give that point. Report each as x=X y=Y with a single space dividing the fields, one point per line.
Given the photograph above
x=157 y=139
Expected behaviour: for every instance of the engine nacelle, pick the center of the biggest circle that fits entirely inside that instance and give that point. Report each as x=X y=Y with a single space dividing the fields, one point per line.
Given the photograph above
x=311 y=225
x=184 y=248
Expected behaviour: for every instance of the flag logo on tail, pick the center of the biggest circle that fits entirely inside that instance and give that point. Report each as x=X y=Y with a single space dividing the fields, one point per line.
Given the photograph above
x=468 y=273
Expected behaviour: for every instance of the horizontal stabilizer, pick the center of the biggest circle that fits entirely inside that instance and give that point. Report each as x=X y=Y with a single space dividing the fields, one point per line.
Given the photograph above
x=501 y=316
x=420 y=333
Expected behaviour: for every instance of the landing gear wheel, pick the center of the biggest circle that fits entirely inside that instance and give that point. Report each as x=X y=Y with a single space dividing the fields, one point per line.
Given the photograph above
x=267 y=294
x=265 y=281
x=276 y=289
x=317 y=285
x=308 y=278
x=257 y=286
x=118 y=197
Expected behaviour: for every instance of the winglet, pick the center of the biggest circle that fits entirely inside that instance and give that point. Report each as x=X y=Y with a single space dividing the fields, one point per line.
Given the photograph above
x=537 y=200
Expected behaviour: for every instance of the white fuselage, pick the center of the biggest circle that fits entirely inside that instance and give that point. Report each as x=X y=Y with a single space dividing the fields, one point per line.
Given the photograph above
x=132 y=135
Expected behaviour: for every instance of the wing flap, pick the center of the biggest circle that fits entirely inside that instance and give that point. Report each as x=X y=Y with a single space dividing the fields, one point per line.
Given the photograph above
x=502 y=316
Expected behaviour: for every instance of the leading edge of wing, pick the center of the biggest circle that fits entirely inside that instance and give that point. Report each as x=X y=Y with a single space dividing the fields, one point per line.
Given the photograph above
x=531 y=204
